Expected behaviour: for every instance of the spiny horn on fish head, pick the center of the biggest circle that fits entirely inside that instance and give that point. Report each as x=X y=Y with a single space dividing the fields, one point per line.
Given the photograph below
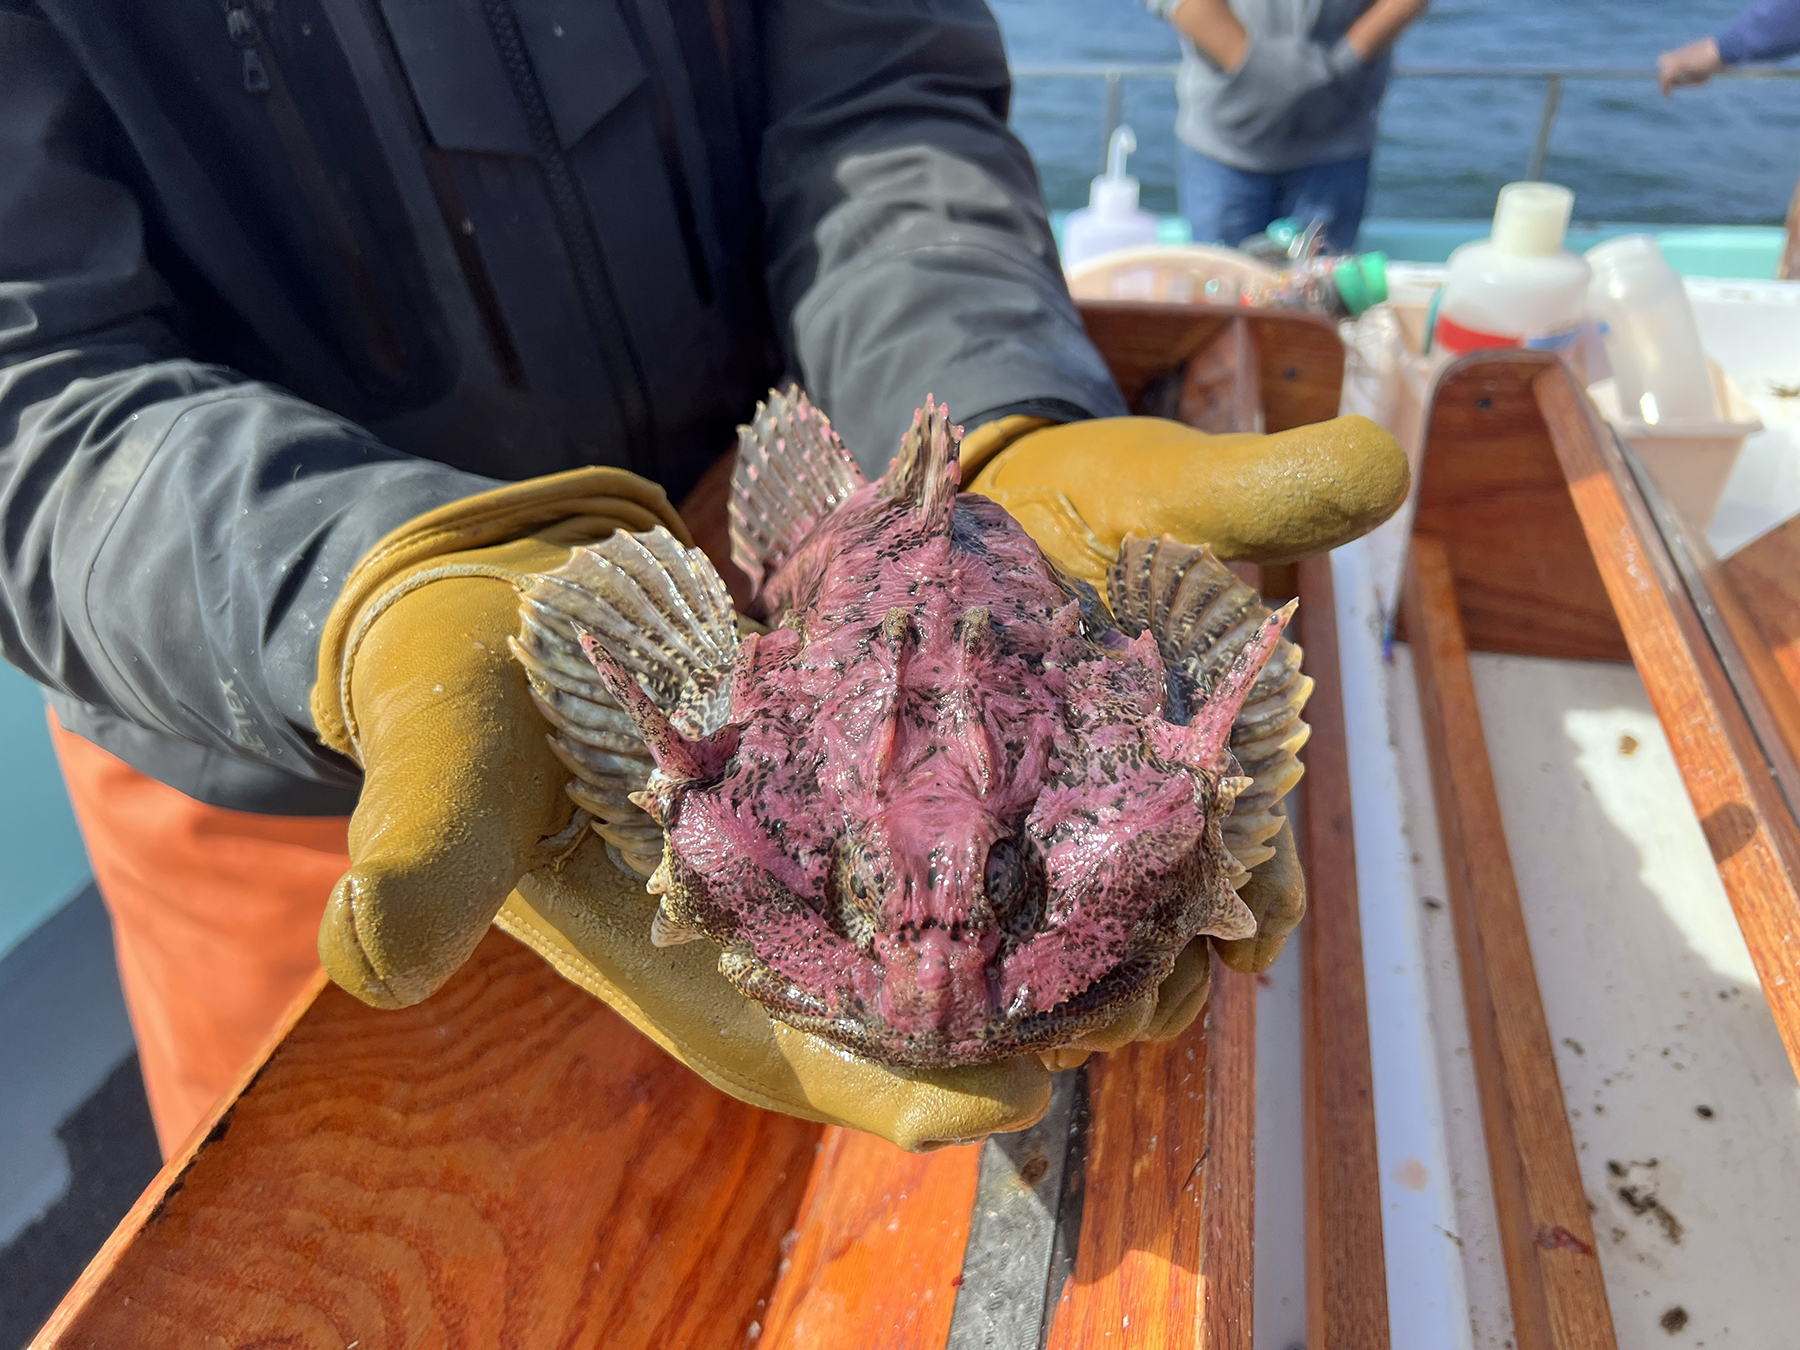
x=1201 y=743
x=678 y=758
x=927 y=472
x=1210 y=731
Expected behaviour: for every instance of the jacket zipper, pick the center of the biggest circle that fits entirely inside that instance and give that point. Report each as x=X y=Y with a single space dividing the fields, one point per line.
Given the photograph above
x=577 y=232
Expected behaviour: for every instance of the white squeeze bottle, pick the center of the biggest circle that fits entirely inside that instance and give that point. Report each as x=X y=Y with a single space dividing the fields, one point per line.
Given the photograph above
x=1111 y=219
x=1652 y=341
x=1520 y=287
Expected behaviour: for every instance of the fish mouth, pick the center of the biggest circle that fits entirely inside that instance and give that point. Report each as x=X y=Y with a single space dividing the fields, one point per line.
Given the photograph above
x=1003 y=1036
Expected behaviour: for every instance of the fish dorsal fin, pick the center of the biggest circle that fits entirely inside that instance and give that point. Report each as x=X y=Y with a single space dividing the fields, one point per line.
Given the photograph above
x=1203 y=617
x=928 y=470
x=662 y=613
x=792 y=471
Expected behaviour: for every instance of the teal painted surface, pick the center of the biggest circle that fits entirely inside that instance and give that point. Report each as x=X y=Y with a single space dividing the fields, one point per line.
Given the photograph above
x=42 y=861
x=1745 y=251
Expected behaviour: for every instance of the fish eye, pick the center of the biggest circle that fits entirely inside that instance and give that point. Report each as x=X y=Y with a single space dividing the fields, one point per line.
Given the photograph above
x=1014 y=884
x=1005 y=873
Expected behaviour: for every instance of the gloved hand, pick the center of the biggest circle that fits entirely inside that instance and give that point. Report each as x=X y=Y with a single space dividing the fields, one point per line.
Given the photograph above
x=1080 y=488
x=1277 y=73
x=463 y=800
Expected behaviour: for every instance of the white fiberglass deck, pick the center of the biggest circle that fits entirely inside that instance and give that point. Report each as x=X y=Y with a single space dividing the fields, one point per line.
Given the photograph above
x=1684 y=1108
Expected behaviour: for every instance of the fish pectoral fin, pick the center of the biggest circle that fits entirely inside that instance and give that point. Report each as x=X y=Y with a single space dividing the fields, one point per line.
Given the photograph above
x=791 y=472
x=661 y=617
x=1206 y=622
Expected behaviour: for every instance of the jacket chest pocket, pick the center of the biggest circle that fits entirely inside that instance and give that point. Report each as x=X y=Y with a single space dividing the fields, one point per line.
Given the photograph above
x=549 y=72
x=581 y=203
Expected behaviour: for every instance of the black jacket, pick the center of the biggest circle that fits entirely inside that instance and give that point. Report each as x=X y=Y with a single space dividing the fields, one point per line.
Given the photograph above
x=278 y=275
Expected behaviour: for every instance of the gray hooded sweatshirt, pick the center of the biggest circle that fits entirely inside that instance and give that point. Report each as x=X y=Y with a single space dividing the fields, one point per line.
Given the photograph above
x=1302 y=96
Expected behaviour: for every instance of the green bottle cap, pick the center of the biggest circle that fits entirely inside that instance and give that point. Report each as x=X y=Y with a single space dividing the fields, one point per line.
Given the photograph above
x=1283 y=231
x=1361 y=281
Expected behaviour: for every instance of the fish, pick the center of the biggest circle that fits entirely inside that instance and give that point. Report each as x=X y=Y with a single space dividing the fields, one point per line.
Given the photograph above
x=932 y=798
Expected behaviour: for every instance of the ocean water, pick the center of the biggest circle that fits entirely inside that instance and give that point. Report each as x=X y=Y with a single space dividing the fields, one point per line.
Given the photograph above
x=1728 y=152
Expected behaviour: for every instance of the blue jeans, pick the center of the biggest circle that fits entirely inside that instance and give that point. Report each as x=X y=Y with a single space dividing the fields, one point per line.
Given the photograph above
x=1226 y=205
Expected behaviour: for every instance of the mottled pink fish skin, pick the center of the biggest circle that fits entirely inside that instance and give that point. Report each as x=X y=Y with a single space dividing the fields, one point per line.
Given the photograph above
x=891 y=756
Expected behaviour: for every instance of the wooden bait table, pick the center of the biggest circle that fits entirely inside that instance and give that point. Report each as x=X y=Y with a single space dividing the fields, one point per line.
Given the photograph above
x=510 y=1164
x=1536 y=535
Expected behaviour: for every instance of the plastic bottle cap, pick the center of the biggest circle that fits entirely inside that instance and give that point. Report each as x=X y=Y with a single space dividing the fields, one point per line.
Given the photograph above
x=1113 y=196
x=1627 y=253
x=1531 y=218
x=1284 y=230
x=1361 y=281
x=1115 y=192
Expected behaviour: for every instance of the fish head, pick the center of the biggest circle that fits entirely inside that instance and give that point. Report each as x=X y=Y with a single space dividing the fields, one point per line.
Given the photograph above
x=950 y=840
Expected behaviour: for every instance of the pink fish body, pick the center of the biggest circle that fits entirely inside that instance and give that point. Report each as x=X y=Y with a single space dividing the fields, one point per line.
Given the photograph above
x=948 y=810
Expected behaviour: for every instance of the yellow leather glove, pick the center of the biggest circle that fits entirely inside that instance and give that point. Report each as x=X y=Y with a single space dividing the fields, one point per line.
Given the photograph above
x=463 y=800
x=1080 y=488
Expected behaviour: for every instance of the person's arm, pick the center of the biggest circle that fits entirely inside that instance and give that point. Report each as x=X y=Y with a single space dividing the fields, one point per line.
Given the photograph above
x=1214 y=30
x=1767 y=30
x=908 y=247
x=1695 y=63
x=1221 y=36
x=172 y=534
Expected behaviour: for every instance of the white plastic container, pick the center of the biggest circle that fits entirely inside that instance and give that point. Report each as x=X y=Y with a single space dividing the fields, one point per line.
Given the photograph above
x=1691 y=459
x=1179 y=274
x=1111 y=220
x=1647 y=326
x=1520 y=287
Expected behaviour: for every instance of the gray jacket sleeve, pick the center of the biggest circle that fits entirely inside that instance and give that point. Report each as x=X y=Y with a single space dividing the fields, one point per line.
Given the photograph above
x=172 y=534
x=904 y=226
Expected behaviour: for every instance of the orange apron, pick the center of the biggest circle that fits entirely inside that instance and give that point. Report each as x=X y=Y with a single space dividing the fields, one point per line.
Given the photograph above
x=215 y=918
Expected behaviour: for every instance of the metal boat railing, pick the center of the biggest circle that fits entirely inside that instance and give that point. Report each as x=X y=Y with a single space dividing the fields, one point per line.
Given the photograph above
x=1115 y=75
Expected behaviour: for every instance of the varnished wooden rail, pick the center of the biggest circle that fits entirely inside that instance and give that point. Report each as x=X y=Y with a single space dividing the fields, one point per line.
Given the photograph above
x=1749 y=825
x=508 y=1163
x=1534 y=537
x=1299 y=357
x=1346 y=1268
x=1552 y=551
x=1546 y=1235
x=1165 y=1254
x=877 y=1251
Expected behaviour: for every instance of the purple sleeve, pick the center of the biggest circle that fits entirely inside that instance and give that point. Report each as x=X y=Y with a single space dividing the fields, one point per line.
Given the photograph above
x=1764 y=30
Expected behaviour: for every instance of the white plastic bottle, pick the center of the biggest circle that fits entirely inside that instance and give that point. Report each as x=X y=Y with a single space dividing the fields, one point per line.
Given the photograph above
x=1652 y=341
x=1111 y=219
x=1520 y=287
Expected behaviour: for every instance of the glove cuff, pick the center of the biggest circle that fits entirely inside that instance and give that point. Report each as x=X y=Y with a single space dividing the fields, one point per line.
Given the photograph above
x=560 y=510
x=990 y=438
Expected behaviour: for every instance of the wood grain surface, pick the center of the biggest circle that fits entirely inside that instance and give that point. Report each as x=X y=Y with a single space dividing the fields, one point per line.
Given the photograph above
x=878 y=1247
x=1171 y=1132
x=1758 y=591
x=1228 y=1239
x=1546 y=1235
x=1346 y=1269
x=506 y=1164
x=1300 y=359
x=1749 y=826
x=1492 y=490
